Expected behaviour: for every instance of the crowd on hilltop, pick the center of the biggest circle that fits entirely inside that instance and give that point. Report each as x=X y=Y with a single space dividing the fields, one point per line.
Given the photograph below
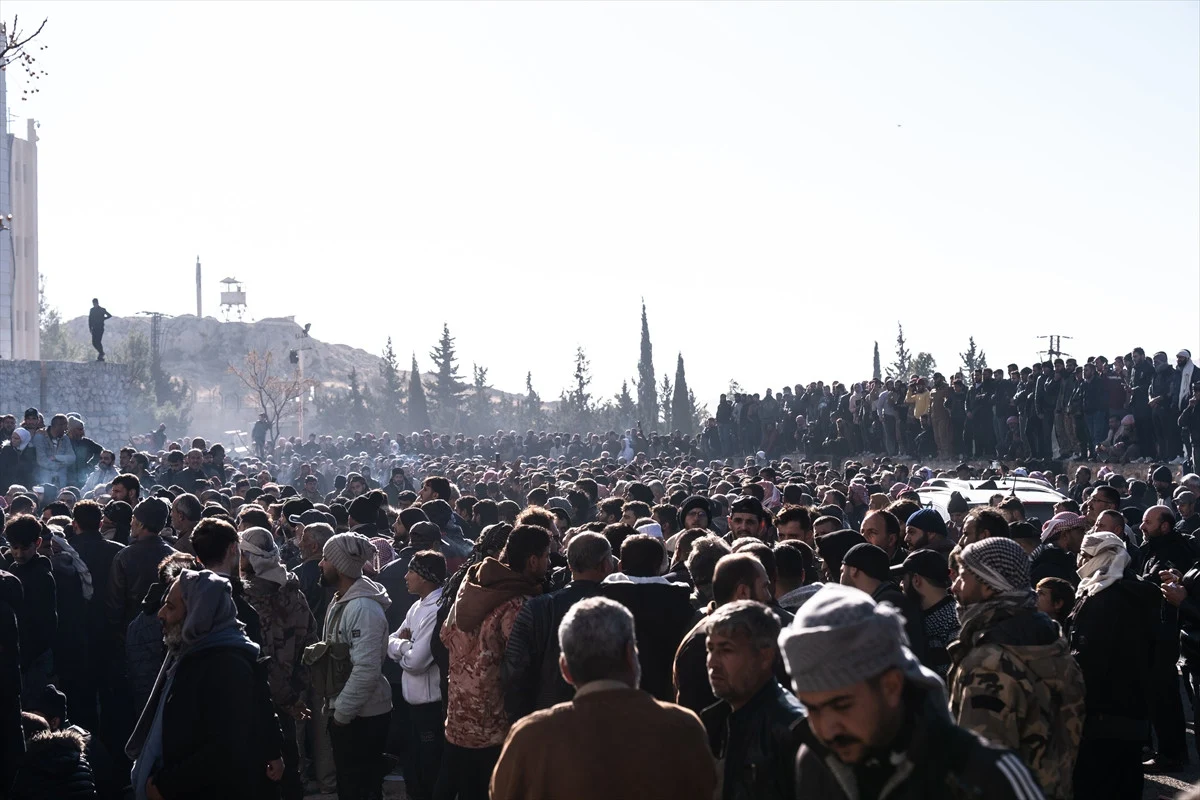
x=607 y=615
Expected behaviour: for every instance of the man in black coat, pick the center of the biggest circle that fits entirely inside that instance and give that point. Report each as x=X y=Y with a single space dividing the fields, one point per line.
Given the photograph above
x=1166 y=550
x=98 y=554
x=750 y=729
x=1112 y=633
x=530 y=671
x=208 y=741
x=867 y=567
x=38 y=615
x=662 y=611
x=12 y=739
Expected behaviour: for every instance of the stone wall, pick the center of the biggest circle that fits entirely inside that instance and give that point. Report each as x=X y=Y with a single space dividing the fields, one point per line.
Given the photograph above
x=95 y=391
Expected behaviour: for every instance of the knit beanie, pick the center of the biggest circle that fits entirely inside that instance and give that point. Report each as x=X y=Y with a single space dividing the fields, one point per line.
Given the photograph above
x=956 y=505
x=438 y=511
x=999 y=562
x=841 y=637
x=363 y=509
x=347 y=552
x=832 y=548
x=928 y=520
x=695 y=501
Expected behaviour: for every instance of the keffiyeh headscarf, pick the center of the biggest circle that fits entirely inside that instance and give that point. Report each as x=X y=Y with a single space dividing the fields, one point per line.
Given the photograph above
x=259 y=548
x=1104 y=561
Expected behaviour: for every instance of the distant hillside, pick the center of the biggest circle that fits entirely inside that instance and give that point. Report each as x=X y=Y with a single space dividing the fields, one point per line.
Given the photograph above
x=201 y=350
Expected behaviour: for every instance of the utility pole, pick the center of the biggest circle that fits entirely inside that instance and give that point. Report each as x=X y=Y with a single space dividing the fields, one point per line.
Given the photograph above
x=297 y=357
x=157 y=329
x=1054 y=348
x=199 y=308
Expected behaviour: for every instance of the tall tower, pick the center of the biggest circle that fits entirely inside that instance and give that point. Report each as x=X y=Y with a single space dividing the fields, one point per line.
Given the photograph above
x=199 y=308
x=19 y=324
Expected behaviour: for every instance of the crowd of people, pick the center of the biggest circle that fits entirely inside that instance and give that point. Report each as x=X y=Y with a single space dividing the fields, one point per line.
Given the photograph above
x=598 y=615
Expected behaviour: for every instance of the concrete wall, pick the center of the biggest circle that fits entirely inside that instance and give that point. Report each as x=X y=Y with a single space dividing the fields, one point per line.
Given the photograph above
x=94 y=390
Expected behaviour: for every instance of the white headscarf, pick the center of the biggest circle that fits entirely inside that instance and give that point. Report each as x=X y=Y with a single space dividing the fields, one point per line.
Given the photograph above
x=1187 y=376
x=24 y=436
x=258 y=545
x=1104 y=561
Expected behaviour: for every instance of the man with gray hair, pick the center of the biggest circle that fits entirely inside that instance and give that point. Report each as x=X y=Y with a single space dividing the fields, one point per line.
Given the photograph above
x=751 y=728
x=611 y=740
x=877 y=719
x=529 y=672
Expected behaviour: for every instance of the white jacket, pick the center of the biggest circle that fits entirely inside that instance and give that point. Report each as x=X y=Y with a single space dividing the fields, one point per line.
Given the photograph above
x=422 y=680
x=357 y=618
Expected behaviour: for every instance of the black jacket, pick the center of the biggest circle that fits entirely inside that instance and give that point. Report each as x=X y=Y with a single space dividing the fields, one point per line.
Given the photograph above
x=758 y=744
x=662 y=615
x=12 y=738
x=17 y=466
x=1051 y=561
x=317 y=594
x=213 y=729
x=98 y=554
x=1170 y=551
x=38 y=616
x=133 y=571
x=529 y=672
x=914 y=618
x=55 y=767
x=944 y=762
x=1112 y=637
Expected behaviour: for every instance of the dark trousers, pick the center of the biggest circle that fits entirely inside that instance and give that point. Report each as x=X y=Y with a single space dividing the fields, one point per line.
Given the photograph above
x=1108 y=769
x=358 y=756
x=98 y=344
x=1167 y=705
x=427 y=740
x=290 y=786
x=466 y=772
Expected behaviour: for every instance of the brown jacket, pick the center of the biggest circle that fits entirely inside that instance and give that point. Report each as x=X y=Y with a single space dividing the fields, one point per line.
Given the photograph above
x=610 y=742
x=475 y=635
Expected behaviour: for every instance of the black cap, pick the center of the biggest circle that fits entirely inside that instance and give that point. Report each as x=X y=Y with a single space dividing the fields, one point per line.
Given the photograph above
x=926 y=563
x=425 y=532
x=870 y=559
x=310 y=517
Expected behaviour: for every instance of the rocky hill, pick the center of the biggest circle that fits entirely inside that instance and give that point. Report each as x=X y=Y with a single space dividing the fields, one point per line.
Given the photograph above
x=201 y=350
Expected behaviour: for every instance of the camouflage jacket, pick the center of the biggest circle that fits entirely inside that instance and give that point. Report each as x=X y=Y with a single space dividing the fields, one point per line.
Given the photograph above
x=287 y=628
x=1013 y=681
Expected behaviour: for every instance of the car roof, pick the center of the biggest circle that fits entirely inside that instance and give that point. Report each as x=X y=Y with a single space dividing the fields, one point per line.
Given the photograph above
x=939 y=497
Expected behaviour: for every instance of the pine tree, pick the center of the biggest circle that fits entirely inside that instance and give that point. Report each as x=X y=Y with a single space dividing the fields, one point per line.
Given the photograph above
x=356 y=405
x=390 y=405
x=902 y=366
x=447 y=388
x=481 y=405
x=418 y=407
x=580 y=399
x=973 y=359
x=664 y=391
x=699 y=412
x=626 y=406
x=923 y=365
x=875 y=371
x=531 y=406
x=681 y=404
x=647 y=398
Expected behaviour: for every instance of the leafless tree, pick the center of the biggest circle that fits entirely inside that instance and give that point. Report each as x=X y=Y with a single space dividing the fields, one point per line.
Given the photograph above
x=271 y=390
x=15 y=48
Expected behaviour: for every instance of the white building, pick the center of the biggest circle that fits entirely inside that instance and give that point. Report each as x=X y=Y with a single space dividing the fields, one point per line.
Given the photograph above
x=19 y=330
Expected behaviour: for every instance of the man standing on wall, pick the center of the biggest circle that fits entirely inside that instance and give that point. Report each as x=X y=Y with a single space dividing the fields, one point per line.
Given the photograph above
x=96 y=318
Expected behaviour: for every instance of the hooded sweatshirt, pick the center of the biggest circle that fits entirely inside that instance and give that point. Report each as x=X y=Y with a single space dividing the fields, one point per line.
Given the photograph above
x=358 y=619
x=476 y=634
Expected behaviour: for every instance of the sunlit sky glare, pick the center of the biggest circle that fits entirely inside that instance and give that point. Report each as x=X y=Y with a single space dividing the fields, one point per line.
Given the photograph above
x=781 y=182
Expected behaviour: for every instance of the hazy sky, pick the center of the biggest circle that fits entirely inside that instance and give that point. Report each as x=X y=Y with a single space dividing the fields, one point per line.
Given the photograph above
x=781 y=182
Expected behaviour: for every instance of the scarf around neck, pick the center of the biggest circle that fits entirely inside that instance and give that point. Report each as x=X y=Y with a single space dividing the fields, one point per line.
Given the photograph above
x=1105 y=561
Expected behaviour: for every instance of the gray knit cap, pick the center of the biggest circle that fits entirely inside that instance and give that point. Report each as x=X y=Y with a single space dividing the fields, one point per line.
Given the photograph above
x=347 y=552
x=841 y=637
x=999 y=562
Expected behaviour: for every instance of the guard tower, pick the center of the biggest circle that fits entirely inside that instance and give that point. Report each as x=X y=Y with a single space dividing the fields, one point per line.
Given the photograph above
x=233 y=299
